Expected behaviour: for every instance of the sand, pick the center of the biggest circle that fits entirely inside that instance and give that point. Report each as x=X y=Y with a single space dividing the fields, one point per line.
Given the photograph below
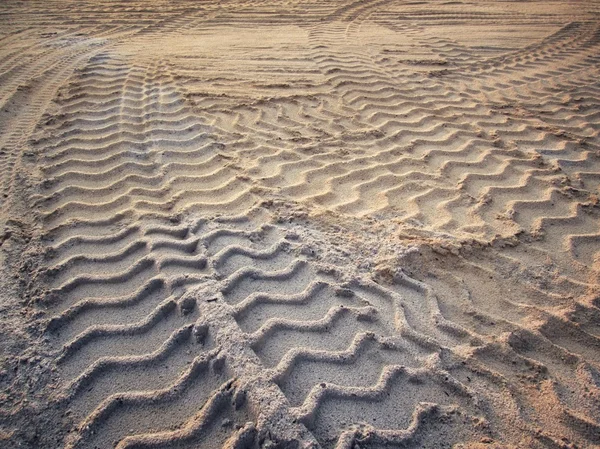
x=335 y=224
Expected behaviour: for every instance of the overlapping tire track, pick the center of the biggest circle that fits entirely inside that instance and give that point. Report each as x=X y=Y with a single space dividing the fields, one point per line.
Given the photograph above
x=461 y=146
x=174 y=290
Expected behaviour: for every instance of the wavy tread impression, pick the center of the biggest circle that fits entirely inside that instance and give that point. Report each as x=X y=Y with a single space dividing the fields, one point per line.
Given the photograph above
x=300 y=224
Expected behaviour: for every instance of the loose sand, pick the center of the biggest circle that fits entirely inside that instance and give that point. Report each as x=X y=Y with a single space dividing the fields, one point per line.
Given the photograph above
x=337 y=224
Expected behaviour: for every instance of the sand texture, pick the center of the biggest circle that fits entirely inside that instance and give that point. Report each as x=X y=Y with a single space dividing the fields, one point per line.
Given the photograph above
x=318 y=224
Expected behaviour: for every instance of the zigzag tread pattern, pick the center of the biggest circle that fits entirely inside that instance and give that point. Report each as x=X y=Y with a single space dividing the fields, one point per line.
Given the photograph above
x=334 y=222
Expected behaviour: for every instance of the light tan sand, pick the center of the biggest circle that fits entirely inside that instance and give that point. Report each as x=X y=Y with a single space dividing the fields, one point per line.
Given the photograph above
x=337 y=224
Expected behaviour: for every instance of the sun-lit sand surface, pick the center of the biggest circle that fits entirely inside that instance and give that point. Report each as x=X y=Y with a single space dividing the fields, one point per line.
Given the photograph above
x=278 y=224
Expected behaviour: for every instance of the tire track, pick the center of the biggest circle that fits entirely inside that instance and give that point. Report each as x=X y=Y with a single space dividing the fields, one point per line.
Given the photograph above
x=331 y=224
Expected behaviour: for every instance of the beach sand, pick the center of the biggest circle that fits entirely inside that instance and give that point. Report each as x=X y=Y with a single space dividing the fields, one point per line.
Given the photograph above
x=336 y=224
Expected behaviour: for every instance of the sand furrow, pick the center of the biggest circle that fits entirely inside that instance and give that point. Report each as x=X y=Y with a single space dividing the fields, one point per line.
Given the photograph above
x=342 y=224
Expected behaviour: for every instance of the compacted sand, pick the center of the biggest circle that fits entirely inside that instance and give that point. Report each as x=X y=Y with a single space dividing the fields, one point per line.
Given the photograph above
x=279 y=224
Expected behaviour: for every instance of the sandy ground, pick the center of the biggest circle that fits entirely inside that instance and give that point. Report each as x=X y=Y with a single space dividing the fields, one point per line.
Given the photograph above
x=279 y=224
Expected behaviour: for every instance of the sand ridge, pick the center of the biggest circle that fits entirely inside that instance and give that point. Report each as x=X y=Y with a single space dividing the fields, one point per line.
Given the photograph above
x=336 y=224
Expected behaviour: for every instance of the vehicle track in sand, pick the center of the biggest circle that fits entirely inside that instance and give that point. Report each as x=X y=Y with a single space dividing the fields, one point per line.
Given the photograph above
x=339 y=224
